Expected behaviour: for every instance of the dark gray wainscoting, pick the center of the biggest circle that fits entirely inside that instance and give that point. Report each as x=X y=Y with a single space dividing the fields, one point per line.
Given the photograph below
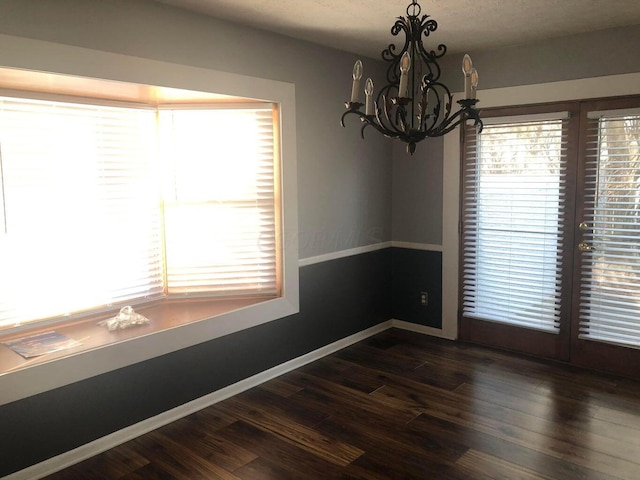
x=416 y=271
x=337 y=298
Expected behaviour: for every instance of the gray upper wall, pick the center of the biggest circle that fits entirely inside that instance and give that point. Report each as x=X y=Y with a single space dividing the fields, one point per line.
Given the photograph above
x=596 y=54
x=417 y=193
x=344 y=183
x=417 y=180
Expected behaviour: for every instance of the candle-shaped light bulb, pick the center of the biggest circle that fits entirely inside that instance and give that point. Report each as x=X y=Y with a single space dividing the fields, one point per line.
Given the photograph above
x=467 y=67
x=368 y=91
x=405 y=66
x=467 y=64
x=357 y=75
x=474 y=83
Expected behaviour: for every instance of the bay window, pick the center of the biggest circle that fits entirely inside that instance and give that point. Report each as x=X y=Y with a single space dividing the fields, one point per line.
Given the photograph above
x=104 y=204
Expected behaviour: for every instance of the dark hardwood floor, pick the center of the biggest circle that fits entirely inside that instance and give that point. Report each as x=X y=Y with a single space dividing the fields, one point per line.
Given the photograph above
x=400 y=405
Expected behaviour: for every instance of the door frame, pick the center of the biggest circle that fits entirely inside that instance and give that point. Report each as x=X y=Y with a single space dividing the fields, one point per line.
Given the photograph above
x=597 y=87
x=588 y=353
x=566 y=346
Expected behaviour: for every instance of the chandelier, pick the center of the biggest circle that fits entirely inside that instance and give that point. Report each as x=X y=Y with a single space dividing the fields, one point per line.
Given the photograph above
x=414 y=104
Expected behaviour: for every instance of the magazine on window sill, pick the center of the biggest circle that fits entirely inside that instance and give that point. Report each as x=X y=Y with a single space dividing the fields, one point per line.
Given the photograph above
x=41 y=344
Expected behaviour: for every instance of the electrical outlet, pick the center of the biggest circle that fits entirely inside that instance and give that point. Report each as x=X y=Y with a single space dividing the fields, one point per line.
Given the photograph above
x=424 y=299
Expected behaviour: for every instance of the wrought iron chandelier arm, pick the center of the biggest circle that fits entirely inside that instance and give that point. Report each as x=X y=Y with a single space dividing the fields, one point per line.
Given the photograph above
x=436 y=113
x=352 y=107
x=370 y=120
x=449 y=125
x=442 y=95
x=467 y=112
x=385 y=125
x=375 y=123
x=388 y=127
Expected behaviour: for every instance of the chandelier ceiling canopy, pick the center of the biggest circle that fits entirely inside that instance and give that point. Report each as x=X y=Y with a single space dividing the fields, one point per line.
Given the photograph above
x=414 y=104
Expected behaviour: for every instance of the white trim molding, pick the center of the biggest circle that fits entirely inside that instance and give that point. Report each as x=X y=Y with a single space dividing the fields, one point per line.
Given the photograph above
x=423 y=329
x=429 y=247
x=580 y=89
x=450 y=238
x=343 y=253
x=366 y=249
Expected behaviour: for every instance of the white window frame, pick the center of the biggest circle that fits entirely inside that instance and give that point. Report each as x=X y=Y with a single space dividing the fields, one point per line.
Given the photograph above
x=68 y=60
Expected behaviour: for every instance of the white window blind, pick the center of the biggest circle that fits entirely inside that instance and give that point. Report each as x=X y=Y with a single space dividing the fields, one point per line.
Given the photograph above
x=81 y=226
x=220 y=219
x=106 y=205
x=514 y=184
x=610 y=273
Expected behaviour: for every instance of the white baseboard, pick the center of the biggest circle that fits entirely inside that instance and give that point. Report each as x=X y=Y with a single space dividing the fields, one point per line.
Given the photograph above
x=67 y=459
x=414 y=327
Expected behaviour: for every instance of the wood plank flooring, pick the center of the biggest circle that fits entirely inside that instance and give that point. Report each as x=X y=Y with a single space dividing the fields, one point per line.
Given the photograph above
x=400 y=405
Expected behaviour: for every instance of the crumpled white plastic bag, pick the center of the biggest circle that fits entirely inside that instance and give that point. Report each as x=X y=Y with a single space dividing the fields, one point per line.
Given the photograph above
x=126 y=318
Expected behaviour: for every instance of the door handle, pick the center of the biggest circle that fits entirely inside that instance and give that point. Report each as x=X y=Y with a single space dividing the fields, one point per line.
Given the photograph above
x=585 y=247
x=583 y=226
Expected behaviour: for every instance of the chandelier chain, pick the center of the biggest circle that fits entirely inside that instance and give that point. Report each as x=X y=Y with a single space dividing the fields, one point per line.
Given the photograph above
x=416 y=9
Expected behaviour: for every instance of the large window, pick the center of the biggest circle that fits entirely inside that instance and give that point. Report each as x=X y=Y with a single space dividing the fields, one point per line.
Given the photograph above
x=103 y=205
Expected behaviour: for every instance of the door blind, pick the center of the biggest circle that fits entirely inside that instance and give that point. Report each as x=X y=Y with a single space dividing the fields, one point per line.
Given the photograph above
x=610 y=262
x=513 y=221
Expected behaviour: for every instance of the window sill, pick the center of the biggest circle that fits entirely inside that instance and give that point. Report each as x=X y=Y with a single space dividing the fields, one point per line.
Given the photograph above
x=162 y=315
x=174 y=324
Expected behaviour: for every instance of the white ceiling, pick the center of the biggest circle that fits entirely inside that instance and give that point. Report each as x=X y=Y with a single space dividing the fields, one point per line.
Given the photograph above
x=363 y=26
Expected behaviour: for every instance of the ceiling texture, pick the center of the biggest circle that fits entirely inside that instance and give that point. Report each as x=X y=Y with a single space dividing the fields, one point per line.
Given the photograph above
x=363 y=26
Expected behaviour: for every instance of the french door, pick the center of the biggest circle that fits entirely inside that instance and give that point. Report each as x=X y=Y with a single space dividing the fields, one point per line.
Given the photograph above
x=550 y=244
